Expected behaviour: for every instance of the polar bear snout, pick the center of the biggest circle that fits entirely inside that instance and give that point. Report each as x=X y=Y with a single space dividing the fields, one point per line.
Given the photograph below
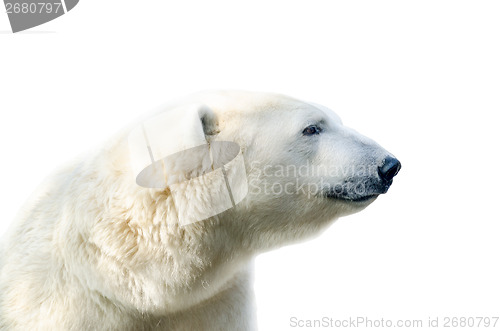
x=389 y=169
x=365 y=186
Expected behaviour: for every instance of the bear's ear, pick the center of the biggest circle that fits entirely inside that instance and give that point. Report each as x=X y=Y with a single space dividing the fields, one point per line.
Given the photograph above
x=170 y=132
x=183 y=128
x=208 y=121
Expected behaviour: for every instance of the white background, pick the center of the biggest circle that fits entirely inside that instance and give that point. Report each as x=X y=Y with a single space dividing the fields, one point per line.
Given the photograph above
x=420 y=77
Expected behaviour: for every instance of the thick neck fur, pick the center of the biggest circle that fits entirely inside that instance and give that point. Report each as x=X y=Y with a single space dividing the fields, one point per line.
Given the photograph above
x=129 y=243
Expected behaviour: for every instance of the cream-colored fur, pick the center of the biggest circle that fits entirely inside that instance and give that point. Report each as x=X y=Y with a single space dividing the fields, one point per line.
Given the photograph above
x=92 y=250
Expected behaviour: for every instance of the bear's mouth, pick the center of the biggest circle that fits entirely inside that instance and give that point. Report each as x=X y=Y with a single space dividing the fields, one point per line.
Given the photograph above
x=364 y=198
x=357 y=190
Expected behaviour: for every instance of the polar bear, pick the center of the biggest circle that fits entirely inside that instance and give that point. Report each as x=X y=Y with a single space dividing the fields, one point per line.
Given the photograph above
x=105 y=245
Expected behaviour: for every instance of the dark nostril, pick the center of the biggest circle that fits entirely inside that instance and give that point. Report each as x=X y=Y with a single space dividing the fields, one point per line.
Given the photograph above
x=389 y=169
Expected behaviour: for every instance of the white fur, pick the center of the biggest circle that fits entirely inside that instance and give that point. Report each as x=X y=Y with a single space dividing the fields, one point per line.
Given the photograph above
x=93 y=250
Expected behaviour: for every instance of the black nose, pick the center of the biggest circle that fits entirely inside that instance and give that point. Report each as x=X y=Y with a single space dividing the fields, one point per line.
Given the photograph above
x=389 y=169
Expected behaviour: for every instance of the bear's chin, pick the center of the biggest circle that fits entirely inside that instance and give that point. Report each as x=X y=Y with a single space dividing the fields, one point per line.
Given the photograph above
x=345 y=206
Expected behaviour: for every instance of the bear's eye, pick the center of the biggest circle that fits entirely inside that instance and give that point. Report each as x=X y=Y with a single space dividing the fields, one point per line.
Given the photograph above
x=311 y=130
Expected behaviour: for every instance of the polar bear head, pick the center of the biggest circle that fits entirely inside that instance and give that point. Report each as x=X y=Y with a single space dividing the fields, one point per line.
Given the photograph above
x=299 y=166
